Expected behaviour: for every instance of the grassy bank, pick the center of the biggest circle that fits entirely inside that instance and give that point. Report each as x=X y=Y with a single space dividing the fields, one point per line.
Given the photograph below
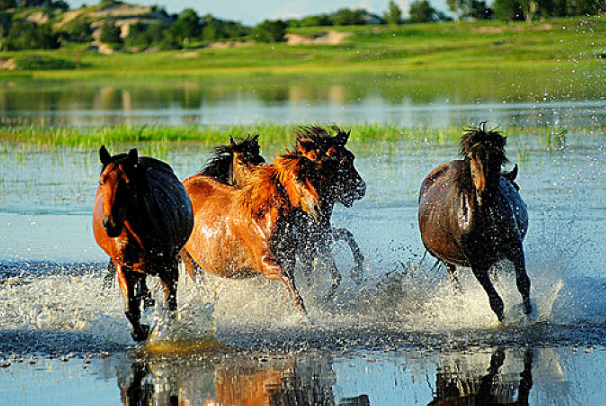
x=271 y=134
x=562 y=43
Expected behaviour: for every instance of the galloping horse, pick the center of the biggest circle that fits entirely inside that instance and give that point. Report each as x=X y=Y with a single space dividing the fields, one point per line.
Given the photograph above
x=248 y=231
x=339 y=182
x=470 y=215
x=233 y=164
x=142 y=217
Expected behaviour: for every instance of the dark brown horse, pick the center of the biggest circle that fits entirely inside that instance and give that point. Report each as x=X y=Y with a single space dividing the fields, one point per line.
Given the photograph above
x=233 y=164
x=142 y=218
x=340 y=182
x=248 y=231
x=471 y=216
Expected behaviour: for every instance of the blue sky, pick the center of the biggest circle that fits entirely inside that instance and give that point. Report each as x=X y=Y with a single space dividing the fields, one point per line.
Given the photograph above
x=252 y=12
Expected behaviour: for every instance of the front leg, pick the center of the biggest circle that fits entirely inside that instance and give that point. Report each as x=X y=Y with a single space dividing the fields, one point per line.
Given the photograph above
x=357 y=272
x=272 y=270
x=170 y=279
x=480 y=271
x=132 y=302
x=516 y=255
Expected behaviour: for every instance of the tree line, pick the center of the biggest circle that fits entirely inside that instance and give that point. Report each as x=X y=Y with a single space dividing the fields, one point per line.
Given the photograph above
x=175 y=31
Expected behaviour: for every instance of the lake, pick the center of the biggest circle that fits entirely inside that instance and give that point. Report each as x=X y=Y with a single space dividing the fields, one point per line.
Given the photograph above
x=401 y=337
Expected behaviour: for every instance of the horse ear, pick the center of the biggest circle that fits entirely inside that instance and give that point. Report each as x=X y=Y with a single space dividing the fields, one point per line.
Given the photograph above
x=133 y=156
x=342 y=137
x=231 y=141
x=255 y=138
x=104 y=156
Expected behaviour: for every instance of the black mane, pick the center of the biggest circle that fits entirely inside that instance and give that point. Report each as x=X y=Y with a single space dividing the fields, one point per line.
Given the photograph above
x=219 y=164
x=489 y=139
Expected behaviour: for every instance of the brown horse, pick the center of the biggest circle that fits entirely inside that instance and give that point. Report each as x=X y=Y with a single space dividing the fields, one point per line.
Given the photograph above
x=248 y=231
x=142 y=218
x=469 y=215
x=233 y=164
x=340 y=182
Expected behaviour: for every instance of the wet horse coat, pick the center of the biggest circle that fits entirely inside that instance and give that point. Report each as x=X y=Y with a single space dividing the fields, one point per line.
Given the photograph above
x=340 y=182
x=470 y=215
x=142 y=217
x=247 y=231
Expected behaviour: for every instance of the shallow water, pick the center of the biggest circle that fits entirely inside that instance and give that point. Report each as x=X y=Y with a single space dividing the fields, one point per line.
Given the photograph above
x=401 y=337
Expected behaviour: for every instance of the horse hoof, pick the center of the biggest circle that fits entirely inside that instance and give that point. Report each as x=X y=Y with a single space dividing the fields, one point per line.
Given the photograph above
x=141 y=333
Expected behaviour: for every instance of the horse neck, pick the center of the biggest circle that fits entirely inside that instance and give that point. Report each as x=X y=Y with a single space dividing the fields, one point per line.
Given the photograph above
x=264 y=193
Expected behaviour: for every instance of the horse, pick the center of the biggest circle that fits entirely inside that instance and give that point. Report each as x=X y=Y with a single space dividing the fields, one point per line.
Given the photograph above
x=234 y=163
x=239 y=233
x=142 y=217
x=339 y=182
x=470 y=215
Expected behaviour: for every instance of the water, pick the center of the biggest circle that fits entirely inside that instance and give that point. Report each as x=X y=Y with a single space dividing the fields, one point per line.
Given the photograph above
x=401 y=337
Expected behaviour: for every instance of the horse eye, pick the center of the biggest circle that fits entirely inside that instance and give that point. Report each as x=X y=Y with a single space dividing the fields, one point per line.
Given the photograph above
x=100 y=183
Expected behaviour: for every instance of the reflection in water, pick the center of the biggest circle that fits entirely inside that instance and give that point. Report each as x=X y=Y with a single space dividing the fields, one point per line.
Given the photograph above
x=417 y=101
x=457 y=387
x=470 y=378
x=264 y=382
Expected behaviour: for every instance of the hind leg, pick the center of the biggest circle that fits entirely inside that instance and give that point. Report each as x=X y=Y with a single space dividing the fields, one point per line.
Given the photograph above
x=144 y=293
x=132 y=302
x=189 y=263
x=452 y=271
x=169 y=280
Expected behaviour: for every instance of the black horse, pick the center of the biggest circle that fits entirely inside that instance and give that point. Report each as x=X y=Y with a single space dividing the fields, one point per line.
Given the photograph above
x=471 y=215
x=344 y=185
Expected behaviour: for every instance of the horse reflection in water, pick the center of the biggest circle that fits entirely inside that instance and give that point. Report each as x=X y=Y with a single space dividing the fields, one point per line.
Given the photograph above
x=491 y=389
x=470 y=215
x=142 y=217
x=340 y=182
x=284 y=381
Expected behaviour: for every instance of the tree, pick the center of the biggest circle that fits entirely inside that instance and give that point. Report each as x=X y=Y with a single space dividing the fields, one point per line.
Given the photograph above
x=393 y=15
x=270 y=31
x=479 y=10
x=421 y=12
x=6 y=4
x=346 y=16
x=187 y=27
x=80 y=31
x=110 y=33
x=508 y=10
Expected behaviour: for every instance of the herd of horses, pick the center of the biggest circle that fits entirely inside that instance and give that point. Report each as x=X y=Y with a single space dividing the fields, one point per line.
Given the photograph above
x=241 y=216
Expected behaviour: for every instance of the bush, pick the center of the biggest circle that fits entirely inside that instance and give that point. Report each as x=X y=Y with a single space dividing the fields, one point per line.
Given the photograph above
x=110 y=33
x=270 y=31
x=28 y=35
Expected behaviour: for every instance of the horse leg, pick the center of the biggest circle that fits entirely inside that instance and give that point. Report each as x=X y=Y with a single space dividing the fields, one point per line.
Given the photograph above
x=110 y=275
x=271 y=270
x=188 y=261
x=335 y=279
x=132 y=303
x=516 y=255
x=357 y=272
x=144 y=293
x=496 y=303
x=452 y=271
x=169 y=280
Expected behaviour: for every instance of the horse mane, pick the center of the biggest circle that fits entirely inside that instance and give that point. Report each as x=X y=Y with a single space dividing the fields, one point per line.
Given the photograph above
x=320 y=136
x=218 y=165
x=264 y=188
x=489 y=139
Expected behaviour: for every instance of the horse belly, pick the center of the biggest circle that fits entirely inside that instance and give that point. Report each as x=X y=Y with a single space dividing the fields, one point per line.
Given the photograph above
x=437 y=230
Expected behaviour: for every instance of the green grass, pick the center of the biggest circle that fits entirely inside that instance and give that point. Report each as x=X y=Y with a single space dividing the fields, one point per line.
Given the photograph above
x=271 y=135
x=408 y=48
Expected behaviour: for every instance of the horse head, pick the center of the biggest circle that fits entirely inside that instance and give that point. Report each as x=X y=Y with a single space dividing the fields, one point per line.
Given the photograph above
x=298 y=176
x=118 y=186
x=484 y=152
x=246 y=157
x=339 y=179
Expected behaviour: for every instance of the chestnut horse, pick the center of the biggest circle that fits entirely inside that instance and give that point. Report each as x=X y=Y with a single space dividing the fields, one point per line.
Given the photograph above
x=470 y=215
x=142 y=217
x=233 y=164
x=340 y=182
x=248 y=231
